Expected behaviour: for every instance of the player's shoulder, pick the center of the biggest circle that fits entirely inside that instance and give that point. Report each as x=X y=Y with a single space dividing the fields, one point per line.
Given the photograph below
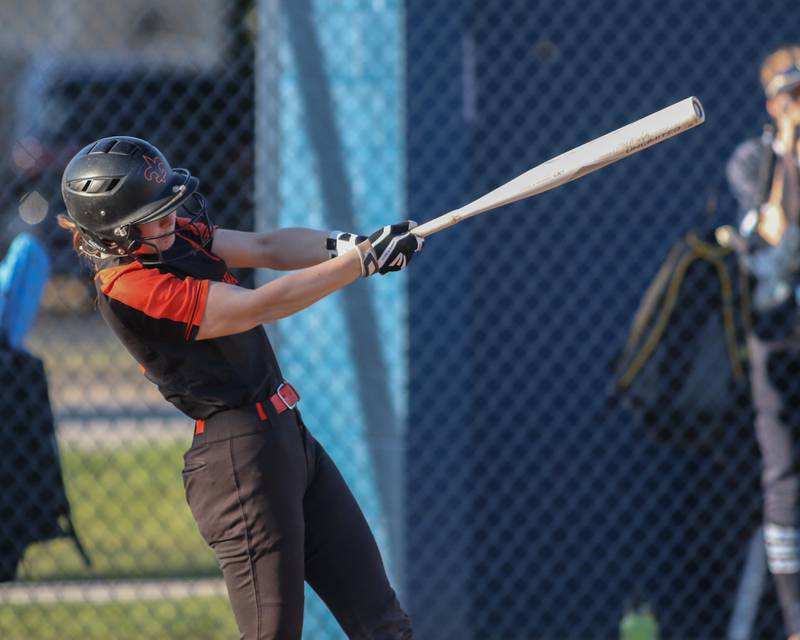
x=111 y=272
x=198 y=230
x=133 y=291
x=130 y=281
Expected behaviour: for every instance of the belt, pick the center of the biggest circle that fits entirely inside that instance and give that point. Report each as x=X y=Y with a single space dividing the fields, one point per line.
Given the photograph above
x=285 y=398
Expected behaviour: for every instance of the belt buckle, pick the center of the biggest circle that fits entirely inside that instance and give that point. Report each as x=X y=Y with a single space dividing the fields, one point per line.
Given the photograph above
x=292 y=393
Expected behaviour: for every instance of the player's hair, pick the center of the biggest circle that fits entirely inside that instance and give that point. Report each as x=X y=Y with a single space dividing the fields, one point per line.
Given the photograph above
x=778 y=62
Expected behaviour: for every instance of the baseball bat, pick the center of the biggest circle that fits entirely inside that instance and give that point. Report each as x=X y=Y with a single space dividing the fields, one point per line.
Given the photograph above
x=579 y=161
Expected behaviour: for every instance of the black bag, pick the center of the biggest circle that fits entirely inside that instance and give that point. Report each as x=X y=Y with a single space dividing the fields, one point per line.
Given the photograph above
x=683 y=370
x=33 y=501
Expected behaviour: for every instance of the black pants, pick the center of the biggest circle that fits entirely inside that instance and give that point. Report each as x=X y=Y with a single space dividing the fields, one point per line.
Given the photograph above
x=775 y=384
x=274 y=508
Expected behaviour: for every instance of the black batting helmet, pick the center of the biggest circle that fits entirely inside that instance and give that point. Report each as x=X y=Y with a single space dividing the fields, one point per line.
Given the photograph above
x=115 y=183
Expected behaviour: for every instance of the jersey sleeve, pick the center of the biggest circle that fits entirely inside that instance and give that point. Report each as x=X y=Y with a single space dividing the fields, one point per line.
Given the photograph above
x=156 y=305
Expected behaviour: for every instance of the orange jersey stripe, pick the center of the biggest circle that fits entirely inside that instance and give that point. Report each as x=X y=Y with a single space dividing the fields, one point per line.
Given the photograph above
x=159 y=295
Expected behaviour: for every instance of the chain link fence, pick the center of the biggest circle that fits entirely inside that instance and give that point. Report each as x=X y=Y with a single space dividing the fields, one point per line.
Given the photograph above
x=516 y=493
x=543 y=508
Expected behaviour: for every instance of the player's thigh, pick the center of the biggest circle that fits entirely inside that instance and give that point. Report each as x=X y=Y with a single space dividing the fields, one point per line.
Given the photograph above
x=247 y=501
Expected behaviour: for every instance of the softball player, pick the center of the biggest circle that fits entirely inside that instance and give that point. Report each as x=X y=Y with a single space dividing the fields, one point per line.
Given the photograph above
x=265 y=495
x=773 y=254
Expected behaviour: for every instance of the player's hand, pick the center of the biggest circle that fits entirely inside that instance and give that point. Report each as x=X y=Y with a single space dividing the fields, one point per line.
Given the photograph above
x=787 y=130
x=771 y=223
x=391 y=248
x=340 y=242
x=787 y=118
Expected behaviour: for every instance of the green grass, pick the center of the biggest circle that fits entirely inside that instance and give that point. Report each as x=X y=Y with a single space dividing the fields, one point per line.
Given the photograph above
x=130 y=512
x=195 y=619
x=131 y=515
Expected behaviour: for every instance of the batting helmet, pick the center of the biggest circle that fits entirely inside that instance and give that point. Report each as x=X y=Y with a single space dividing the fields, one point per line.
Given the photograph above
x=115 y=183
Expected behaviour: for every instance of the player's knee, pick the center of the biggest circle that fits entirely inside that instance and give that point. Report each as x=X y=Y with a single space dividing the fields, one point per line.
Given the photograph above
x=783 y=548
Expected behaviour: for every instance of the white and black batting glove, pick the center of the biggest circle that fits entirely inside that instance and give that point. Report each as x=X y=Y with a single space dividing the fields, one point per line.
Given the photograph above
x=392 y=248
x=339 y=242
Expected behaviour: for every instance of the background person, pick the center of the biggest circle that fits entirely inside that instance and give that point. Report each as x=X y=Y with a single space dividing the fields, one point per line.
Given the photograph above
x=763 y=175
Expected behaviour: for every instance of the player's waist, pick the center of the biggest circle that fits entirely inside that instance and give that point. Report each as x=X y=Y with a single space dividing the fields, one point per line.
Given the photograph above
x=248 y=418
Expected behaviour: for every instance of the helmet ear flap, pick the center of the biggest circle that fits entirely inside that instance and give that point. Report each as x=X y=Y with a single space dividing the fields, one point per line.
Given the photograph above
x=93 y=245
x=98 y=246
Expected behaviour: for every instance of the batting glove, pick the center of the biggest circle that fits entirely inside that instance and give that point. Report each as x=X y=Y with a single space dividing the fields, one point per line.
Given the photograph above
x=392 y=248
x=339 y=242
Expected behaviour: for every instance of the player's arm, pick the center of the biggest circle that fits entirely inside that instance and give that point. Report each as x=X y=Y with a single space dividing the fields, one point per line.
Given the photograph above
x=231 y=309
x=283 y=249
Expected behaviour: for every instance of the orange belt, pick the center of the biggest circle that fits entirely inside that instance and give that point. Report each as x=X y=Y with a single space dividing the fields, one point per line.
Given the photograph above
x=284 y=399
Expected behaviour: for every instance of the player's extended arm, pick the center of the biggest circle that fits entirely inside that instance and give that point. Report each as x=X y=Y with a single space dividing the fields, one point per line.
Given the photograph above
x=282 y=250
x=231 y=309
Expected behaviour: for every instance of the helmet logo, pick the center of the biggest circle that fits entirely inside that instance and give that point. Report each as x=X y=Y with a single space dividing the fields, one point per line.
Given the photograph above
x=155 y=171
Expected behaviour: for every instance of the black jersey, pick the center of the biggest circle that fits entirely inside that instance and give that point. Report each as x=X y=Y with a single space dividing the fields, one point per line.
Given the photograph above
x=156 y=310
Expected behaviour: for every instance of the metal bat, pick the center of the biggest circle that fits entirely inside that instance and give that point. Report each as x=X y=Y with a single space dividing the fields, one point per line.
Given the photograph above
x=579 y=161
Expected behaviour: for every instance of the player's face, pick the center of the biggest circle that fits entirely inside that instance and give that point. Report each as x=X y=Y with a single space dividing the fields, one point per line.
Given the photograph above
x=158 y=233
